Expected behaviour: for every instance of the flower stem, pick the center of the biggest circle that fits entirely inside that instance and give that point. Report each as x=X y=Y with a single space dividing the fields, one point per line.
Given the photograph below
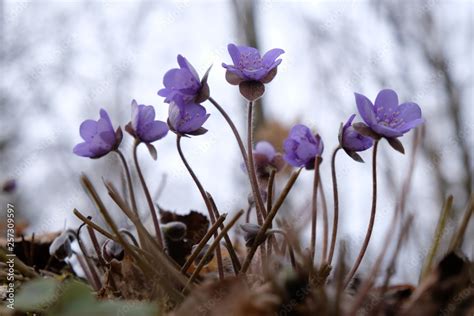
x=129 y=180
x=255 y=190
x=269 y=219
x=252 y=174
x=372 y=217
x=314 y=210
x=148 y=196
x=325 y=220
x=290 y=248
x=206 y=201
x=336 y=205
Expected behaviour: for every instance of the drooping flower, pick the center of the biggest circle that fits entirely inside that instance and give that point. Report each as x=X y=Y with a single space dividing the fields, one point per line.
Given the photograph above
x=352 y=141
x=250 y=233
x=387 y=118
x=302 y=147
x=266 y=158
x=99 y=137
x=182 y=85
x=188 y=119
x=250 y=71
x=143 y=125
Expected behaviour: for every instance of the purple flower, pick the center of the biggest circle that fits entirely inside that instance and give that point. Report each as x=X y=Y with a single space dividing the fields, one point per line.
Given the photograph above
x=99 y=137
x=182 y=85
x=266 y=158
x=250 y=71
x=248 y=65
x=302 y=147
x=352 y=140
x=188 y=119
x=387 y=118
x=143 y=125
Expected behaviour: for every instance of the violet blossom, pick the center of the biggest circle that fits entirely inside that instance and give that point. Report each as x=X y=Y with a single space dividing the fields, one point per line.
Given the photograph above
x=387 y=118
x=188 y=119
x=352 y=141
x=182 y=85
x=99 y=137
x=143 y=125
x=250 y=71
x=266 y=158
x=302 y=147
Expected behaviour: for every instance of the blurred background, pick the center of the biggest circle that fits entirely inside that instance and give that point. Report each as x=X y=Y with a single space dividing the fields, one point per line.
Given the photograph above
x=61 y=61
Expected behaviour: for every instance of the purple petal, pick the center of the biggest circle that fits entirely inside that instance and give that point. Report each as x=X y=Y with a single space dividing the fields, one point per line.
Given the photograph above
x=88 y=129
x=234 y=70
x=180 y=79
x=104 y=124
x=366 y=109
x=265 y=148
x=409 y=111
x=234 y=53
x=82 y=150
x=135 y=114
x=349 y=121
x=99 y=147
x=306 y=150
x=410 y=125
x=385 y=130
x=269 y=58
x=255 y=74
x=146 y=114
x=184 y=63
x=275 y=64
x=153 y=131
x=386 y=101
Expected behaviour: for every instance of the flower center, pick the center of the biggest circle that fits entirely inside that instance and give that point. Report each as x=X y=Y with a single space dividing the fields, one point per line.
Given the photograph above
x=250 y=61
x=389 y=118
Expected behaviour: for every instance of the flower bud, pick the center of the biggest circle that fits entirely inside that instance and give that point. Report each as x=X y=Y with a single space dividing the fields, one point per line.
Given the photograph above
x=60 y=248
x=250 y=233
x=112 y=250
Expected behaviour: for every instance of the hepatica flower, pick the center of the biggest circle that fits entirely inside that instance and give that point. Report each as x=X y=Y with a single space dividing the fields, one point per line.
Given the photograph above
x=250 y=71
x=386 y=118
x=302 y=147
x=182 y=85
x=143 y=125
x=352 y=141
x=99 y=137
x=188 y=119
x=265 y=159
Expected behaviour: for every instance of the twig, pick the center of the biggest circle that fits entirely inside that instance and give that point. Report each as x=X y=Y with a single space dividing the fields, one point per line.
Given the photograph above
x=214 y=244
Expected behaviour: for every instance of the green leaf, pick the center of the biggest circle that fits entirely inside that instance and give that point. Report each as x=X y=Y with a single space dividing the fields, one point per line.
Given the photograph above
x=37 y=295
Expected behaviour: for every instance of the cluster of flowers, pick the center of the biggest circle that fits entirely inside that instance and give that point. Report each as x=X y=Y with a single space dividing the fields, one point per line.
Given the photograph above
x=184 y=91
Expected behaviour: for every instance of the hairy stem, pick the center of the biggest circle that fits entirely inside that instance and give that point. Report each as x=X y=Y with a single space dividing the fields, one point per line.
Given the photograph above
x=372 y=217
x=149 y=200
x=336 y=205
x=253 y=184
x=314 y=210
x=129 y=180
x=206 y=201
